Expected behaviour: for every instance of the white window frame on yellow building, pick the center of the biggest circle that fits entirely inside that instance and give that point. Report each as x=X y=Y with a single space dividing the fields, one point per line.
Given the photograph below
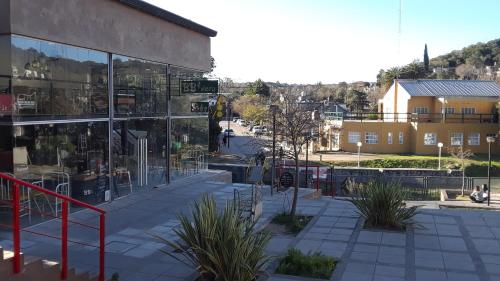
x=474 y=139
x=421 y=110
x=371 y=138
x=432 y=137
x=457 y=139
x=468 y=110
x=401 y=138
x=448 y=110
x=389 y=137
x=351 y=135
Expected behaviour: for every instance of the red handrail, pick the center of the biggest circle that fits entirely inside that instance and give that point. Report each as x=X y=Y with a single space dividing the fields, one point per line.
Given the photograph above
x=16 y=225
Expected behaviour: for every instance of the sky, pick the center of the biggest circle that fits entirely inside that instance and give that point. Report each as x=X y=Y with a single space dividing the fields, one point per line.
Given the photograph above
x=329 y=41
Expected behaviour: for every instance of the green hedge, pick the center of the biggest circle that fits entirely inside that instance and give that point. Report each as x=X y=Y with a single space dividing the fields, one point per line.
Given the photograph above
x=474 y=168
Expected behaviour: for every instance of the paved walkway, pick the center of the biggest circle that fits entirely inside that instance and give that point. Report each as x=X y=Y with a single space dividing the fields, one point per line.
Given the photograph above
x=445 y=244
x=448 y=244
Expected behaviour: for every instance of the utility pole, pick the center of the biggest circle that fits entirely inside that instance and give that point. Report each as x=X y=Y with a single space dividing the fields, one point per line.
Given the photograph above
x=228 y=113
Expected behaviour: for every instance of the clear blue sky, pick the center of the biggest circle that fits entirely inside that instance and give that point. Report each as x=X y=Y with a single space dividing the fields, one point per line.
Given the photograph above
x=300 y=41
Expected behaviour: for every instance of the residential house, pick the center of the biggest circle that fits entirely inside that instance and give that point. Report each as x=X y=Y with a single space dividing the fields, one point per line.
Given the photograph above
x=415 y=115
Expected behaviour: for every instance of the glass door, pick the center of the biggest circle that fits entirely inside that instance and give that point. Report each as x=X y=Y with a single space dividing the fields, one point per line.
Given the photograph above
x=139 y=154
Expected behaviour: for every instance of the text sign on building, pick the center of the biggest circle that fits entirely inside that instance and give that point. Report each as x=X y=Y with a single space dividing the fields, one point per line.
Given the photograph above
x=199 y=86
x=199 y=107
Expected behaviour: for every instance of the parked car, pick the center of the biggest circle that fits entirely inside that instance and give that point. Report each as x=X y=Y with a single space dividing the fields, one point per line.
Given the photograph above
x=229 y=133
x=258 y=130
x=242 y=122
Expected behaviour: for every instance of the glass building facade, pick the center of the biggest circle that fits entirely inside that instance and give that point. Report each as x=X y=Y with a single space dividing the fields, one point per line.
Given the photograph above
x=94 y=125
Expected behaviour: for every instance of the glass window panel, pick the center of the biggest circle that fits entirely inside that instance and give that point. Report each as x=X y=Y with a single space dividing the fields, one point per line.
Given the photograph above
x=354 y=137
x=430 y=138
x=474 y=139
x=52 y=80
x=189 y=146
x=457 y=138
x=371 y=138
x=140 y=87
x=181 y=103
x=78 y=151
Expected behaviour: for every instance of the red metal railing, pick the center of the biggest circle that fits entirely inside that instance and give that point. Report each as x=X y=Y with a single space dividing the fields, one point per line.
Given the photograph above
x=16 y=225
x=328 y=180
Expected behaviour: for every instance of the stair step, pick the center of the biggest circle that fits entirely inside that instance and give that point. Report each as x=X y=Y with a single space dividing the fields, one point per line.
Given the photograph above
x=34 y=268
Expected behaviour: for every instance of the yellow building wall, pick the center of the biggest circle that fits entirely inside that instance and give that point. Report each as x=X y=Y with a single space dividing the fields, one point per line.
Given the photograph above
x=428 y=102
x=413 y=137
x=444 y=133
x=482 y=107
x=382 y=129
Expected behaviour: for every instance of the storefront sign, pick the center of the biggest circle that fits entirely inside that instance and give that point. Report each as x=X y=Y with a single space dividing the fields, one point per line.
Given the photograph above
x=199 y=107
x=286 y=179
x=199 y=86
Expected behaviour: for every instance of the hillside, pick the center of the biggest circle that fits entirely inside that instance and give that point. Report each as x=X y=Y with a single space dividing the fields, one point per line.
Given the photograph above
x=479 y=61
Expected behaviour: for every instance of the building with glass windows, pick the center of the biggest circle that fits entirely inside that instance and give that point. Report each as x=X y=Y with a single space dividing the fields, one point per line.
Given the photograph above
x=90 y=99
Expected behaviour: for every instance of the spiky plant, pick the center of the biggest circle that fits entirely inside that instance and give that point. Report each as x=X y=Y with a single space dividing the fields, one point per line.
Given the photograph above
x=219 y=243
x=382 y=205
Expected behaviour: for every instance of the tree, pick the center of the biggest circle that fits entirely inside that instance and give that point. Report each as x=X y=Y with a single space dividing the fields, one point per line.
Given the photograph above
x=261 y=88
x=426 y=59
x=356 y=100
x=294 y=123
x=461 y=154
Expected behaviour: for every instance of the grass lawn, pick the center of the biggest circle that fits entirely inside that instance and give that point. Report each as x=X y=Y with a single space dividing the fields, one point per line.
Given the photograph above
x=476 y=166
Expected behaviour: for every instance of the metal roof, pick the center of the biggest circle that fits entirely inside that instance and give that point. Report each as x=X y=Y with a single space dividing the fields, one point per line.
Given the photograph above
x=168 y=16
x=451 y=88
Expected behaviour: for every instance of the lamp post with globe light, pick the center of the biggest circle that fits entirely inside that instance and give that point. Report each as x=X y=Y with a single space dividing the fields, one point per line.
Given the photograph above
x=359 y=145
x=440 y=146
x=489 y=140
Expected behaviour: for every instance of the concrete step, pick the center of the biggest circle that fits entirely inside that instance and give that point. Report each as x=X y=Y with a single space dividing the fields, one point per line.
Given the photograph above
x=34 y=268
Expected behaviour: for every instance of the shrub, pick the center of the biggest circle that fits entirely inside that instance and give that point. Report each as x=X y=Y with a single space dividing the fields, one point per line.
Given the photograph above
x=382 y=205
x=220 y=244
x=315 y=265
x=294 y=224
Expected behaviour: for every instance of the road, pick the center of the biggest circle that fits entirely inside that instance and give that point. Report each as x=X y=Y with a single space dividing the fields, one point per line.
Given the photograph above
x=244 y=144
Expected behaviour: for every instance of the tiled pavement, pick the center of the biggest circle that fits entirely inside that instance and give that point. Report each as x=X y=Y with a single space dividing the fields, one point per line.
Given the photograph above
x=448 y=244
x=444 y=244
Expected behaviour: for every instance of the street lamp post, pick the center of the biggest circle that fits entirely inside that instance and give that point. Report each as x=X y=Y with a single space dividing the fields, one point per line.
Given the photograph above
x=490 y=140
x=274 y=108
x=359 y=144
x=228 y=113
x=440 y=146
x=307 y=161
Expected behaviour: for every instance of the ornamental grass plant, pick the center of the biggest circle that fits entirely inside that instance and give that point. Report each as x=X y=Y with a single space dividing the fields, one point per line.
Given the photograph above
x=219 y=243
x=382 y=205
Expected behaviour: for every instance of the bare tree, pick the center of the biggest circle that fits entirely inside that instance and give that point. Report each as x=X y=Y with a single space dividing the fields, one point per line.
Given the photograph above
x=461 y=154
x=295 y=123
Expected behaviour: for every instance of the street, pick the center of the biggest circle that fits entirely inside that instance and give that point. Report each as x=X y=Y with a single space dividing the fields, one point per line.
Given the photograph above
x=243 y=144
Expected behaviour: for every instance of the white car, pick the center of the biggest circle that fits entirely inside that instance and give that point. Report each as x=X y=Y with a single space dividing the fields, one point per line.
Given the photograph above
x=258 y=130
x=242 y=122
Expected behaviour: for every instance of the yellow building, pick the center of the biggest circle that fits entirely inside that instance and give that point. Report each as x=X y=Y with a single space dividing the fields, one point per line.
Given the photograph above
x=415 y=115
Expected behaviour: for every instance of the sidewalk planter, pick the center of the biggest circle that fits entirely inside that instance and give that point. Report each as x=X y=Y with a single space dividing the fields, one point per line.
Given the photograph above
x=312 y=265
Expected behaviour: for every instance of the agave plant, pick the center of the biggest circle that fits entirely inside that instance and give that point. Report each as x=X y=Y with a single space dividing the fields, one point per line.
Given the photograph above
x=219 y=243
x=382 y=205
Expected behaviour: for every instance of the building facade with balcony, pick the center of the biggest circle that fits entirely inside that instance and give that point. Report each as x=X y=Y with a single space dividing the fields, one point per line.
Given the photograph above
x=415 y=115
x=90 y=96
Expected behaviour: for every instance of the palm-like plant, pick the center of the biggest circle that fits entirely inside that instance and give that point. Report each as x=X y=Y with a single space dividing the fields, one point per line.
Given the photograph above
x=382 y=204
x=219 y=243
